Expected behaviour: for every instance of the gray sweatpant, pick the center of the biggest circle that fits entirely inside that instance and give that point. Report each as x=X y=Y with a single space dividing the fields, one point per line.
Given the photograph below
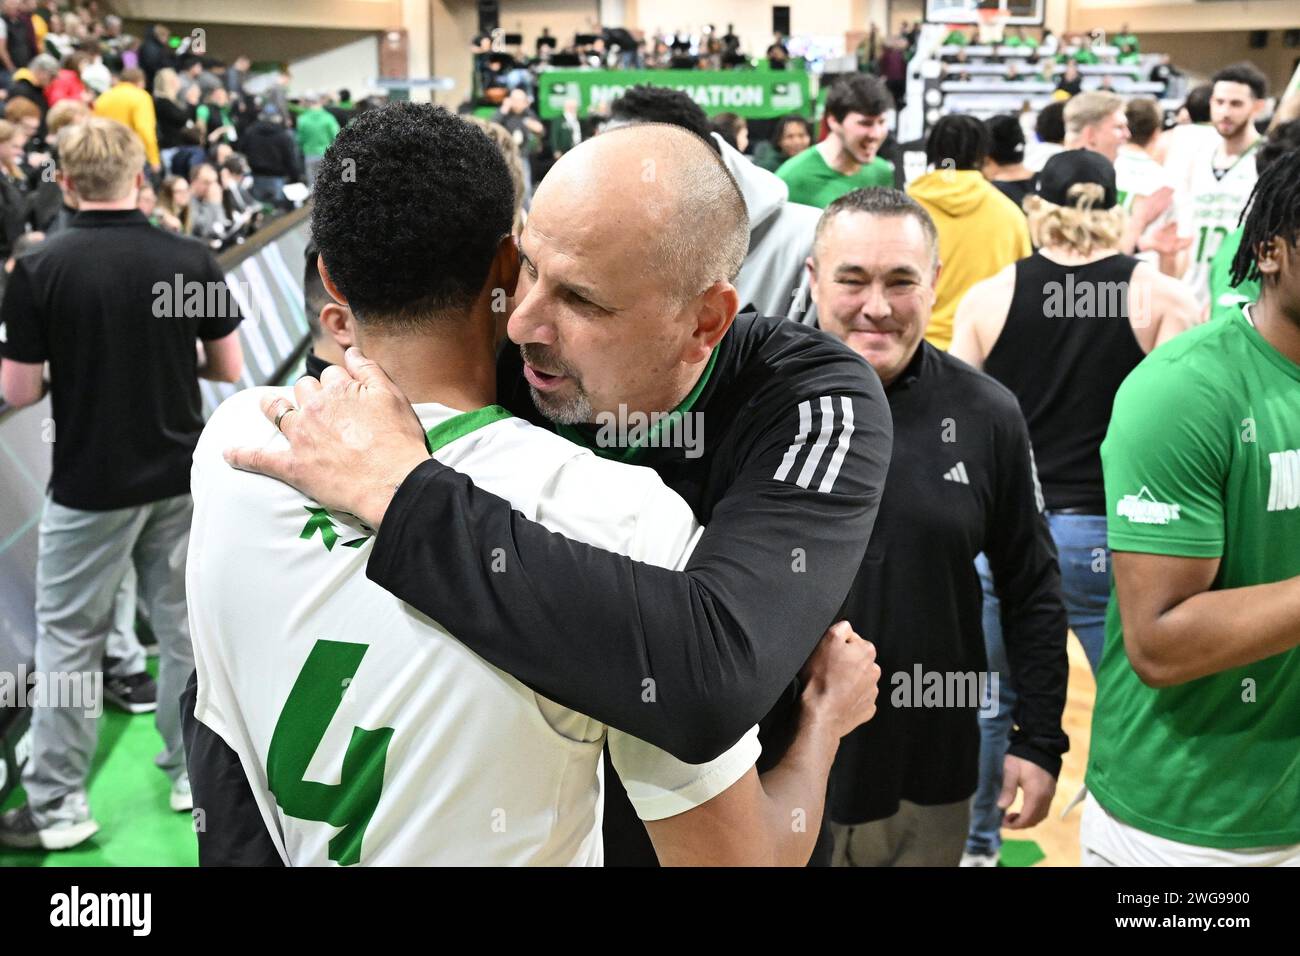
x=82 y=558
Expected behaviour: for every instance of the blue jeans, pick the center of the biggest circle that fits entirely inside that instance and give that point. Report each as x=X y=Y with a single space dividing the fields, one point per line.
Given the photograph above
x=1085 y=589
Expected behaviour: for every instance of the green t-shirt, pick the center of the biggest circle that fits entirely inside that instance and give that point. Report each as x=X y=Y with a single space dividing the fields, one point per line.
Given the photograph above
x=814 y=183
x=956 y=38
x=1225 y=298
x=1202 y=460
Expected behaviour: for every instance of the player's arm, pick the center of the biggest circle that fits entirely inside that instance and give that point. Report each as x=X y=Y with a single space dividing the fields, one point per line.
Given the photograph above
x=22 y=383
x=981 y=315
x=222 y=357
x=775 y=818
x=23 y=349
x=591 y=629
x=1027 y=580
x=1176 y=629
x=222 y=360
x=1168 y=440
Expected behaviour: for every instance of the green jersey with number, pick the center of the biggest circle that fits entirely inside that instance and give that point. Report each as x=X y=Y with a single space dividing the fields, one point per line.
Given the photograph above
x=1202 y=460
x=1210 y=204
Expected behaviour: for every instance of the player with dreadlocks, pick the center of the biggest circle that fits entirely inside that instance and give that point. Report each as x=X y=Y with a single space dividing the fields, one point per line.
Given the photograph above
x=1194 y=734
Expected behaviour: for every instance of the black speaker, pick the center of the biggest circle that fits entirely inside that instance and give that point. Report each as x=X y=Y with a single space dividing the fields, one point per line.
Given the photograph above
x=1258 y=39
x=781 y=21
x=489 y=15
x=1291 y=38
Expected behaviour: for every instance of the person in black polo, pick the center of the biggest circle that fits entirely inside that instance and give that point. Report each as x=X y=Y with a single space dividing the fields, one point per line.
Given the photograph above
x=115 y=307
x=961 y=482
x=784 y=461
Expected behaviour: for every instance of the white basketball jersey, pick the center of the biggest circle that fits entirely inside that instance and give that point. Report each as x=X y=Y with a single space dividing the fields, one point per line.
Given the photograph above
x=1209 y=206
x=367 y=733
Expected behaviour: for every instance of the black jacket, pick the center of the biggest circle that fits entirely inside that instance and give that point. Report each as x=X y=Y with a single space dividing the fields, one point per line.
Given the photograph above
x=270 y=150
x=961 y=482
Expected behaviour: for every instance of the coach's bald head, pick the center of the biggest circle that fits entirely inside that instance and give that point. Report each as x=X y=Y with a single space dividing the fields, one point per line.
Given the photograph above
x=629 y=251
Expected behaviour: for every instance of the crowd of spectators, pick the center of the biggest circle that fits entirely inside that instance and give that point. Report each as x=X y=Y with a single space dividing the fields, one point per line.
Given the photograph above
x=222 y=155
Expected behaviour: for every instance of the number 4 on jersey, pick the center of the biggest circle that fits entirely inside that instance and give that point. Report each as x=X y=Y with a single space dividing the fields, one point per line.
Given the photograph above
x=307 y=713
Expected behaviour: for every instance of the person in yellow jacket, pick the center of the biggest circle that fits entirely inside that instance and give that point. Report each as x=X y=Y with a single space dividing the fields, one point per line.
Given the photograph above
x=981 y=231
x=129 y=104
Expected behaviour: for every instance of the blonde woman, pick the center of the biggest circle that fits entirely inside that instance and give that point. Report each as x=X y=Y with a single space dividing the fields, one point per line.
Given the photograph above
x=1062 y=329
x=15 y=201
x=176 y=130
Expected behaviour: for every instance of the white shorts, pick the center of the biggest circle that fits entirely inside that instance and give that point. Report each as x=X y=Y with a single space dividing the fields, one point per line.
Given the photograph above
x=1105 y=841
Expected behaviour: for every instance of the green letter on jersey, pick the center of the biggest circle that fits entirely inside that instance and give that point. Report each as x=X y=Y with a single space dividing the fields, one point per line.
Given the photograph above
x=298 y=733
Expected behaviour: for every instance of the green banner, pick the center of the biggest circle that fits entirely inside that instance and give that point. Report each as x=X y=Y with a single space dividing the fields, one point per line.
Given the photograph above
x=750 y=93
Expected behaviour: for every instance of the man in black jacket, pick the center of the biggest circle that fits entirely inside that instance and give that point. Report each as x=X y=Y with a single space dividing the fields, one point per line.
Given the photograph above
x=961 y=482
x=272 y=155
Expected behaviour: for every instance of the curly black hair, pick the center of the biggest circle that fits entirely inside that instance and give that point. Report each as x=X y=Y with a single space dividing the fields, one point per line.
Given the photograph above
x=957 y=139
x=411 y=203
x=657 y=104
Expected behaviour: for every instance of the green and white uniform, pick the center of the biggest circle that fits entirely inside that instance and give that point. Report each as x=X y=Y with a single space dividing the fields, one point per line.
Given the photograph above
x=1202 y=460
x=367 y=733
x=1209 y=205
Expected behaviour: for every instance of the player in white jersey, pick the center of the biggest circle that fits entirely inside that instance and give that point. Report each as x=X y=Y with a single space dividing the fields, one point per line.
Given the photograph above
x=1217 y=185
x=362 y=731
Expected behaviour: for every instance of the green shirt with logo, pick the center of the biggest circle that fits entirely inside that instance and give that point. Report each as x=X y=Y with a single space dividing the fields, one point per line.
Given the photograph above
x=814 y=183
x=1202 y=460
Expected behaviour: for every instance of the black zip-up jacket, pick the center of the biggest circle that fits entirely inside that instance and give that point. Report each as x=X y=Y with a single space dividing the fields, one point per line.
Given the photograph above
x=961 y=481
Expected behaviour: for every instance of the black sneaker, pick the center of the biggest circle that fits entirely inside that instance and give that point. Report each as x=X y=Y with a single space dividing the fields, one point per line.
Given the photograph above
x=134 y=693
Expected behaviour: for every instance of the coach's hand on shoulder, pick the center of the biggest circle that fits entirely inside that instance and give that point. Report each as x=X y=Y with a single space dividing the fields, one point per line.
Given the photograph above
x=353 y=438
x=841 y=680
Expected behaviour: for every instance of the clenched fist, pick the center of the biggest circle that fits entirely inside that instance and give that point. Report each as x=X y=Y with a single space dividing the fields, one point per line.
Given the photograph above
x=841 y=680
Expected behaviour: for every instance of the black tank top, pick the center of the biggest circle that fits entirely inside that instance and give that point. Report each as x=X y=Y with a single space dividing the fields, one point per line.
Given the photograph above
x=1064 y=351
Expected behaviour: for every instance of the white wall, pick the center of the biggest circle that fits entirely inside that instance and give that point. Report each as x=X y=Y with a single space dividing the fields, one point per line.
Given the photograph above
x=353 y=66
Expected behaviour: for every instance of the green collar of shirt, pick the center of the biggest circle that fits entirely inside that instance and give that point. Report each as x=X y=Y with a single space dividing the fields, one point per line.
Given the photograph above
x=444 y=433
x=587 y=435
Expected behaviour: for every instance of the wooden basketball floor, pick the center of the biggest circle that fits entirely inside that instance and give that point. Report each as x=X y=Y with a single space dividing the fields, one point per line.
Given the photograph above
x=1057 y=838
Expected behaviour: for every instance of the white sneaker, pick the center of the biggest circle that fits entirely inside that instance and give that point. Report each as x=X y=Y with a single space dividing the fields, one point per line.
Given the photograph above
x=182 y=800
x=21 y=828
x=980 y=859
